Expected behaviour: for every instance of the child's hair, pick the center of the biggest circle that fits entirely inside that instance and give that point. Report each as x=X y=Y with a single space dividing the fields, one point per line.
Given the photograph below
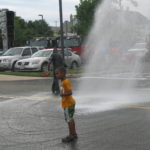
x=62 y=70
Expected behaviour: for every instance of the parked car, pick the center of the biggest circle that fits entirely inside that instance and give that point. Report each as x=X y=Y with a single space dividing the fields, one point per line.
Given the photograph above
x=12 y=55
x=40 y=61
x=72 y=60
x=137 y=51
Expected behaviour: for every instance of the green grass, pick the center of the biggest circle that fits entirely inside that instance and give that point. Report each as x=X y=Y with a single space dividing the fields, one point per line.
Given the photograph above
x=74 y=71
x=32 y=74
x=38 y=74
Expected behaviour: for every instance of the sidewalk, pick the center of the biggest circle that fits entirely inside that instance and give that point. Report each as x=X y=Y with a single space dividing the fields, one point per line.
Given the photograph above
x=11 y=77
x=14 y=78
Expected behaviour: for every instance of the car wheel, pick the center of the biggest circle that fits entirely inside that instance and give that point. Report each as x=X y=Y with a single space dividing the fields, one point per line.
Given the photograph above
x=13 y=67
x=74 y=65
x=44 y=67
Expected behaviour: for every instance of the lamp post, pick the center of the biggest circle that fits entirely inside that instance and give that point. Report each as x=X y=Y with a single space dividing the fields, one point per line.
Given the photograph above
x=61 y=27
x=42 y=22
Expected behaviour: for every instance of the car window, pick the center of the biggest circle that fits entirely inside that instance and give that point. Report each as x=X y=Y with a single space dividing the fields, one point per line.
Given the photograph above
x=42 y=54
x=69 y=53
x=66 y=52
x=34 y=50
x=13 y=51
x=26 y=52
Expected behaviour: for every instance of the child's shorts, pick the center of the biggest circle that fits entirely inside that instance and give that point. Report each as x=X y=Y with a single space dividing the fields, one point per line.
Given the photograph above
x=69 y=112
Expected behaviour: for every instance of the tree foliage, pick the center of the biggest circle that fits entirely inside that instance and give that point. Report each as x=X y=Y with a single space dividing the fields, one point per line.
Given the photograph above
x=25 y=31
x=85 y=15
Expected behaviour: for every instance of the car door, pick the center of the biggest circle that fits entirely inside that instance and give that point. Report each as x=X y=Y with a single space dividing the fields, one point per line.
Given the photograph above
x=34 y=49
x=26 y=53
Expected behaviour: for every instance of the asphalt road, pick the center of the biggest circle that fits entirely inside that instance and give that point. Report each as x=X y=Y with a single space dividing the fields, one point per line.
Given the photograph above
x=31 y=118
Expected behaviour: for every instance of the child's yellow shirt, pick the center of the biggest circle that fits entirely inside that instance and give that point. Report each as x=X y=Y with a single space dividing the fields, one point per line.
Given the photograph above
x=66 y=100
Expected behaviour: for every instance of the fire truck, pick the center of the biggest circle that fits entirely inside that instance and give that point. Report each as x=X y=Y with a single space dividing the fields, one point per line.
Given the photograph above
x=43 y=42
x=72 y=42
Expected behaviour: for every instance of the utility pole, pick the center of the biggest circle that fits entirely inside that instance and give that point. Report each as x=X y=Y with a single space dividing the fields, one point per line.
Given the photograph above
x=61 y=27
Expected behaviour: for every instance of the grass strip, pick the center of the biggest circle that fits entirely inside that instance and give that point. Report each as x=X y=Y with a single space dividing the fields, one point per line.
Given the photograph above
x=38 y=74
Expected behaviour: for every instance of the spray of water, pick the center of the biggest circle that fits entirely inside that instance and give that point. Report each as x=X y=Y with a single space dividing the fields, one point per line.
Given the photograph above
x=109 y=77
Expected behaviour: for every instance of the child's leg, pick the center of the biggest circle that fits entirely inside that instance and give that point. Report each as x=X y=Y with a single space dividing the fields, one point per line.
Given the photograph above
x=69 y=112
x=72 y=132
x=72 y=129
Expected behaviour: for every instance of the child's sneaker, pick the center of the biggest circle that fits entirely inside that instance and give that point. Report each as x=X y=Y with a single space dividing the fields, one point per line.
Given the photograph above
x=68 y=139
x=75 y=136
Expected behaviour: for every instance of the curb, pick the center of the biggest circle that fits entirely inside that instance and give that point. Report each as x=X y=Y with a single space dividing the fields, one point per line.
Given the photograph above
x=16 y=78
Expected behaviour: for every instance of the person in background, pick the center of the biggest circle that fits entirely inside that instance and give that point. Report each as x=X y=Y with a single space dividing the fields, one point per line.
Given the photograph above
x=56 y=60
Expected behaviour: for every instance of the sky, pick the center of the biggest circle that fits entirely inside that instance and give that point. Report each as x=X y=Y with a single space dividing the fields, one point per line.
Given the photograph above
x=30 y=9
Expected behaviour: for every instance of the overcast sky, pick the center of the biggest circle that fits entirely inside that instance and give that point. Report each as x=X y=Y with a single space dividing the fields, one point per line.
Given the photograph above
x=30 y=9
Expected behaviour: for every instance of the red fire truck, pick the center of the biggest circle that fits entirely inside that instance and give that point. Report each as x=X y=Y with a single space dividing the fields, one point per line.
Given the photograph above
x=73 y=42
x=43 y=42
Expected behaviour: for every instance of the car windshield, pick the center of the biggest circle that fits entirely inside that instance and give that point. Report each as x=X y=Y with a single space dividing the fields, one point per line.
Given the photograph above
x=42 y=53
x=13 y=52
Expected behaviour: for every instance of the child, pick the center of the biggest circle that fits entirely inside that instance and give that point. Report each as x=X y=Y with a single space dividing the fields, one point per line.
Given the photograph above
x=68 y=103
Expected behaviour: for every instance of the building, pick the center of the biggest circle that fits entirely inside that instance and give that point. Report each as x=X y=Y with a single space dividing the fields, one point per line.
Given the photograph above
x=6 y=28
x=67 y=26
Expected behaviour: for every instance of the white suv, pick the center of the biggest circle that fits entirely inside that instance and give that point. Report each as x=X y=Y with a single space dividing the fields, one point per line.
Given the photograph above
x=12 y=55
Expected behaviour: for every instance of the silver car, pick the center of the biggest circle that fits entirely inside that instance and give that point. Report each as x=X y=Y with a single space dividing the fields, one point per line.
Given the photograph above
x=72 y=60
x=40 y=61
x=12 y=55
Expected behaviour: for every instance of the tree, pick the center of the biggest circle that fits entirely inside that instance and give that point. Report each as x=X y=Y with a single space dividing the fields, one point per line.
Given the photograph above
x=25 y=31
x=20 y=27
x=85 y=15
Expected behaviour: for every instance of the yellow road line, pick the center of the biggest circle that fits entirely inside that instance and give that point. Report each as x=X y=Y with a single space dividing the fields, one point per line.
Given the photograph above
x=147 y=78
x=138 y=106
